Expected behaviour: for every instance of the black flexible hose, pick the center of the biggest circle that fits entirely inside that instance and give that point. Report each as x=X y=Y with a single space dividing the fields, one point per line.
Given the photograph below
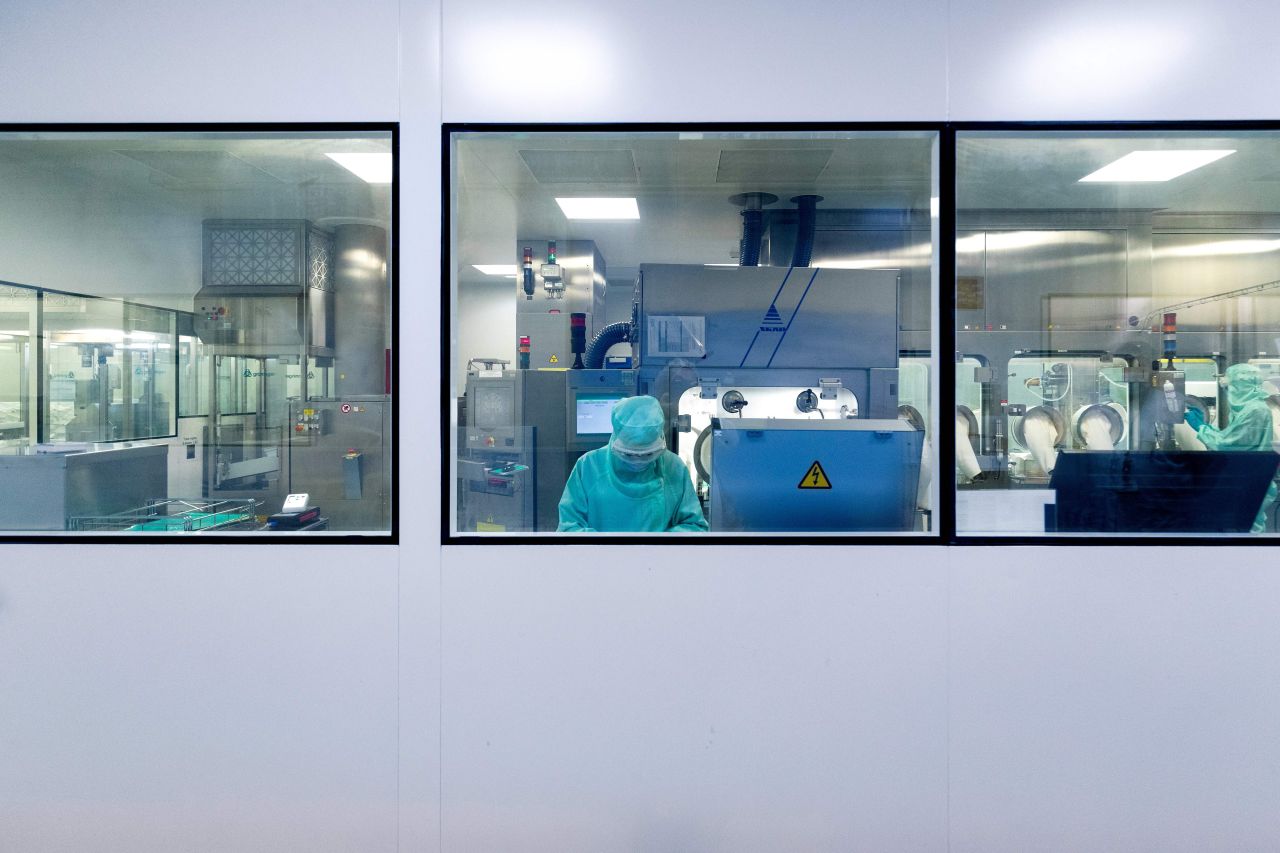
x=614 y=333
x=752 y=232
x=806 y=225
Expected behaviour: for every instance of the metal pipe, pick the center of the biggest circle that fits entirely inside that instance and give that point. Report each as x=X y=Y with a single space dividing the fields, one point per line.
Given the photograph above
x=360 y=308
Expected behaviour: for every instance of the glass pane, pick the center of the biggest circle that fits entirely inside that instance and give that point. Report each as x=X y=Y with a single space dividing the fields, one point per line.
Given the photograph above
x=695 y=333
x=18 y=337
x=193 y=378
x=201 y=339
x=1117 y=311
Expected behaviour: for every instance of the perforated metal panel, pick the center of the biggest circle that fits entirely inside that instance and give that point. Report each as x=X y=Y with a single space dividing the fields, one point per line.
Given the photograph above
x=240 y=255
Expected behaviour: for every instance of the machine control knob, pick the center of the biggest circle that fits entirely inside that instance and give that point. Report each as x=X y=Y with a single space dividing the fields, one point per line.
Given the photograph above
x=807 y=401
x=733 y=401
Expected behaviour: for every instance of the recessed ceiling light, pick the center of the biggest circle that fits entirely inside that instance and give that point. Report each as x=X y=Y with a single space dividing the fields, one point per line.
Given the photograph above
x=1146 y=166
x=860 y=264
x=599 y=208
x=372 y=168
x=1221 y=247
x=496 y=269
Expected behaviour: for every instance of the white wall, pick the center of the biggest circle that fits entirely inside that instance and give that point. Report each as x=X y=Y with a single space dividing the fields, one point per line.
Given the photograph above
x=656 y=698
x=256 y=698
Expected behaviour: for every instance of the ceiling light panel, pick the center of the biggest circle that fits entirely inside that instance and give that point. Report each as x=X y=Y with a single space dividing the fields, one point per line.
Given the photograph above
x=370 y=168
x=599 y=208
x=1152 y=166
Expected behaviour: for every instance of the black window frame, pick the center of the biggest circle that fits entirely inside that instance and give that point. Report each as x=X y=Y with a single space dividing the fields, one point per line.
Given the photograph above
x=389 y=537
x=935 y=537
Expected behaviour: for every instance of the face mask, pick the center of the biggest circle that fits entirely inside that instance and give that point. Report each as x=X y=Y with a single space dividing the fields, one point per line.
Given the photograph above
x=635 y=461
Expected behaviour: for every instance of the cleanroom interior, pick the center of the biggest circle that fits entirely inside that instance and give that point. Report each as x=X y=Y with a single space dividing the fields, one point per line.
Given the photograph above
x=720 y=332
x=1106 y=284
x=196 y=332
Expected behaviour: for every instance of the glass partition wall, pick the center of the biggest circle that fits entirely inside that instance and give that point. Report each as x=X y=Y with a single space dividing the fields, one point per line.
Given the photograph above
x=200 y=343
x=1117 y=332
x=84 y=369
x=694 y=333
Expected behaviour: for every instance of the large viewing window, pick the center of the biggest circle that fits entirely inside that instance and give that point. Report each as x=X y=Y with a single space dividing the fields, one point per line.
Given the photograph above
x=195 y=333
x=1117 y=332
x=691 y=333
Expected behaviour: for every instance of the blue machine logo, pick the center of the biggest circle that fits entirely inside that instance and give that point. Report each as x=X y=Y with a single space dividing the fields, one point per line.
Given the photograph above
x=772 y=321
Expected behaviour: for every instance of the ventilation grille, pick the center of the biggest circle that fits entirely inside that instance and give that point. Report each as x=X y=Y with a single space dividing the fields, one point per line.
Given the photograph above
x=608 y=166
x=248 y=256
x=781 y=165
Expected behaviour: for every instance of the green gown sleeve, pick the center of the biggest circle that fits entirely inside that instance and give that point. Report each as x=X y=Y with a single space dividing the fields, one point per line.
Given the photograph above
x=573 y=504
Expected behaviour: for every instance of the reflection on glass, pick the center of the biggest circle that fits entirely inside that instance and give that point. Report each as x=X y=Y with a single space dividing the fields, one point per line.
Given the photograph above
x=193 y=377
x=17 y=366
x=109 y=370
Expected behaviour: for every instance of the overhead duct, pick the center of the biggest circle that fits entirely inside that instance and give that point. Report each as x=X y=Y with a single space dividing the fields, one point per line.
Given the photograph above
x=806 y=225
x=752 y=205
x=614 y=333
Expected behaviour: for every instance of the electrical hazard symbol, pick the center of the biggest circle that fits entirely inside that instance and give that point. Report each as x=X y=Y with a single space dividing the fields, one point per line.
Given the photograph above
x=815 y=478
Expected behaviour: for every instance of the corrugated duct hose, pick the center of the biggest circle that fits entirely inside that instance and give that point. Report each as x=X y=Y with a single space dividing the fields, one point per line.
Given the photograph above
x=614 y=333
x=752 y=231
x=806 y=225
x=752 y=225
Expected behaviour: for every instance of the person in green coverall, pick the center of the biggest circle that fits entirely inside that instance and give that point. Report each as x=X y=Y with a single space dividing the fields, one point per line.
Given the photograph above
x=633 y=483
x=1248 y=428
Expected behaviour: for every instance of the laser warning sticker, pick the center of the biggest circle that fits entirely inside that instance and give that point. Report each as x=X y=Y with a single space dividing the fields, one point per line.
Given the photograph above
x=815 y=478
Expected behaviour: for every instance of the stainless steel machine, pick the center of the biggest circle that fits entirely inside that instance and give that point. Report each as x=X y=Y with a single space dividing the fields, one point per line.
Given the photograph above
x=778 y=347
x=524 y=430
x=295 y=318
x=45 y=487
x=556 y=280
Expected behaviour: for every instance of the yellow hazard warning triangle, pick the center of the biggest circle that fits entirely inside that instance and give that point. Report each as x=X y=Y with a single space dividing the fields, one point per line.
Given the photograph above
x=814 y=478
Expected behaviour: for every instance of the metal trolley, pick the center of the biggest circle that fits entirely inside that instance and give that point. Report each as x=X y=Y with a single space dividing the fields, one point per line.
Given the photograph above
x=175 y=515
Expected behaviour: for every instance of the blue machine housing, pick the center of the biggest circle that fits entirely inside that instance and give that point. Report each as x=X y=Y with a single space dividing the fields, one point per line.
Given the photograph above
x=763 y=475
